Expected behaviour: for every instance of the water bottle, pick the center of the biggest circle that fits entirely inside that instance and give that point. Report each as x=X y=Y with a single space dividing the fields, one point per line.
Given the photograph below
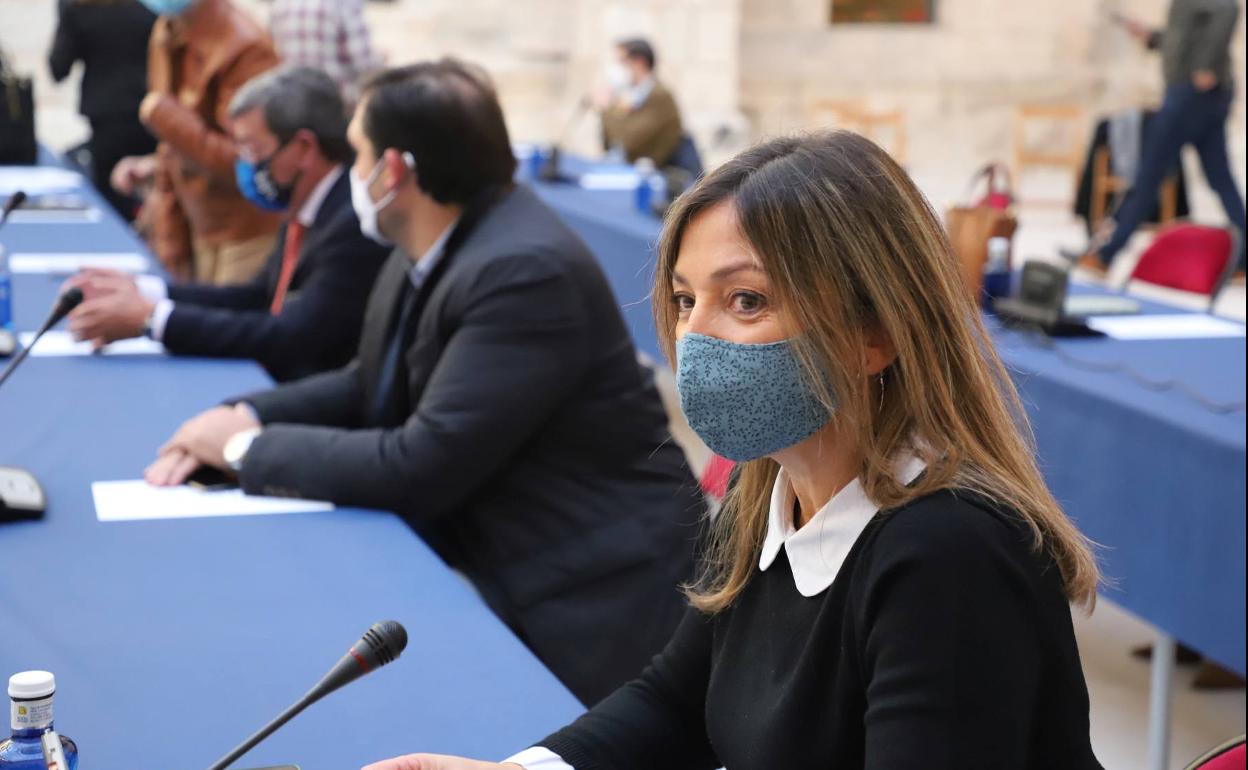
x=643 y=195
x=997 y=271
x=651 y=186
x=30 y=717
x=6 y=292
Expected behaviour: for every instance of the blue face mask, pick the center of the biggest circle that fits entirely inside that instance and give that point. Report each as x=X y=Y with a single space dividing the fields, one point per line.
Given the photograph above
x=745 y=401
x=167 y=7
x=257 y=185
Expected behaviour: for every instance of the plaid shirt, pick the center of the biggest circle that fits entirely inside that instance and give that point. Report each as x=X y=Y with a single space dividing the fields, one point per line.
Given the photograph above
x=330 y=35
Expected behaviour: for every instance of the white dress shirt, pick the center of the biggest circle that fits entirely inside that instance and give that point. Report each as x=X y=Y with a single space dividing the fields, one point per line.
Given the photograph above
x=638 y=94
x=156 y=290
x=817 y=550
x=816 y=553
x=429 y=260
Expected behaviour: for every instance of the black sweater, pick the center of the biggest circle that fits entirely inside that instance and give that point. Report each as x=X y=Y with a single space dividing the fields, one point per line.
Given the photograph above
x=944 y=642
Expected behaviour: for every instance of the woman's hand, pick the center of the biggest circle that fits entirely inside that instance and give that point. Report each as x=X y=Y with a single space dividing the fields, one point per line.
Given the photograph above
x=438 y=762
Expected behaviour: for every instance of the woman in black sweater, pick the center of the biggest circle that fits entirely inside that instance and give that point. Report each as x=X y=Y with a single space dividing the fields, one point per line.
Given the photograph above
x=888 y=584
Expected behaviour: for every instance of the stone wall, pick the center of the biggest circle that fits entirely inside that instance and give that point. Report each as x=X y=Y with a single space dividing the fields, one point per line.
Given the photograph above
x=957 y=81
x=743 y=69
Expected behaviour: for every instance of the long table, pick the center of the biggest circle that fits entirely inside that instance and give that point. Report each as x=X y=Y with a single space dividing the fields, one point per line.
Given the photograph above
x=1152 y=476
x=172 y=640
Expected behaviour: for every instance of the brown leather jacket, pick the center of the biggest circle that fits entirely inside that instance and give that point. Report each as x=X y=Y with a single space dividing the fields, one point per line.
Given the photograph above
x=196 y=62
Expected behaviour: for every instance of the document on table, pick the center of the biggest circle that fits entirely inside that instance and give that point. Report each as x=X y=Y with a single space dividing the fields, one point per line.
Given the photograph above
x=1165 y=327
x=55 y=216
x=1099 y=304
x=610 y=180
x=62 y=343
x=37 y=180
x=68 y=263
x=139 y=501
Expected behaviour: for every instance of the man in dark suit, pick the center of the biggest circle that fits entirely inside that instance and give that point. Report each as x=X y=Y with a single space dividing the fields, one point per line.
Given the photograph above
x=302 y=313
x=496 y=401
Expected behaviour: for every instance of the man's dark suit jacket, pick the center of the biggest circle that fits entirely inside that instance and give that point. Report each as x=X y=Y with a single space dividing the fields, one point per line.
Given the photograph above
x=319 y=324
x=535 y=457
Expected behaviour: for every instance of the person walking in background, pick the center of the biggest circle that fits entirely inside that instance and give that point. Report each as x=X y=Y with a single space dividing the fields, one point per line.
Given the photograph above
x=110 y=38
x=195 y=219
x=330 y=35
x=1196 y=63
x=639 y=114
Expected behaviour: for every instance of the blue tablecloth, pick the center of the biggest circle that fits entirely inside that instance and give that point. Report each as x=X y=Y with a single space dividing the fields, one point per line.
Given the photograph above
x=1157 y=480
x=173 y=640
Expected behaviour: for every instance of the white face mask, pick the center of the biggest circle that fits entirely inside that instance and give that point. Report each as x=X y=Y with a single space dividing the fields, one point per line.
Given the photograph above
x=367 y=209
x=619 y=78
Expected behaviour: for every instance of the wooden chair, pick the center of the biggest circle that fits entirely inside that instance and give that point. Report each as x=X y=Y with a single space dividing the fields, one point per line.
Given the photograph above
x=1105 y=185
x=1066 y=156
x=886 y=128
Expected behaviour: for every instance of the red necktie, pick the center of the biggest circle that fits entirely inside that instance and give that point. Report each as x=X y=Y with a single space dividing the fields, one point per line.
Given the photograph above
x=290 y=255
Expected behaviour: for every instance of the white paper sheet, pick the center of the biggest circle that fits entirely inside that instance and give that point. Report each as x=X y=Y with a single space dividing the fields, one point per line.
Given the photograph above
x=610 y=180
x=1165 y=327
x=37 y=180
x=139 y=501
x=68 y=263
x=62 y=343
x=55 y=216
x=1095 y=304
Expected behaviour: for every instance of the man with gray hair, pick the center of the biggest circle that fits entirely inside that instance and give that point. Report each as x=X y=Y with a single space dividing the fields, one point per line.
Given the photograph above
x=302 y=313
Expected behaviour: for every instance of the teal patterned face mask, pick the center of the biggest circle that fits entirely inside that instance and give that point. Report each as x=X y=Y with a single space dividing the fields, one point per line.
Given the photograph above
x=167 y=7
x=745 y=401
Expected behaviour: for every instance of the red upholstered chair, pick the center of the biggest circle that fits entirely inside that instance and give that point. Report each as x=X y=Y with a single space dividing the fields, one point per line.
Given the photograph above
x=714 y=481
x=1228 y=756
x=1189 y=258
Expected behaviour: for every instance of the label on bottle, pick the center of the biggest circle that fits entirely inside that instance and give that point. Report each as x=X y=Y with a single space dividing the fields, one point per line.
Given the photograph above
x=32 y=714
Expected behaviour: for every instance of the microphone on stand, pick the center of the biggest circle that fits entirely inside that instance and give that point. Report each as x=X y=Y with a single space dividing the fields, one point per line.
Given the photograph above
x=549 y=172
x=381 y=644
x=65 y=303
x=7 y=341
x=21 y=497
x=15 y=200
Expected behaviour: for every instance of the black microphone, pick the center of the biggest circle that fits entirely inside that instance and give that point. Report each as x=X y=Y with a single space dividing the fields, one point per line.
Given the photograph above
x=380 y=645
x=549 y=171
x=15 y=200
x=71 y=299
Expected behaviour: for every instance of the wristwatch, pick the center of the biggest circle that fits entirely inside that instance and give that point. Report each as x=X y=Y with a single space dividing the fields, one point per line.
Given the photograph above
x=148 y=322
x=235 y=450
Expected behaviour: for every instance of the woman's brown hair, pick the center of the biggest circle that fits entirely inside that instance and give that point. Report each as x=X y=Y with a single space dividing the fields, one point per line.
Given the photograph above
x=851 y=247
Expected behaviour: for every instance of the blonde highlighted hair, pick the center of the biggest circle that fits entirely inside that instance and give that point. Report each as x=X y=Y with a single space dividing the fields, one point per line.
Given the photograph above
x=851 y=247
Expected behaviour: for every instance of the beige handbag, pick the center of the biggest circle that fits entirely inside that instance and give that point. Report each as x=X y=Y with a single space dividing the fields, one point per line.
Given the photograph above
x=971 y=225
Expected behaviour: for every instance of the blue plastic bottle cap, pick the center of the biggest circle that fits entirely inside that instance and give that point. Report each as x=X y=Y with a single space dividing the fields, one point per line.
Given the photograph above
x=29 y=685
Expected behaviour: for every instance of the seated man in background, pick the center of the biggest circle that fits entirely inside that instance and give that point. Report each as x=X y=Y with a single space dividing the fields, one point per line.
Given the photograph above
x=302 y=313
x=639 y=114
x=496 y=401
x=194 y=218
